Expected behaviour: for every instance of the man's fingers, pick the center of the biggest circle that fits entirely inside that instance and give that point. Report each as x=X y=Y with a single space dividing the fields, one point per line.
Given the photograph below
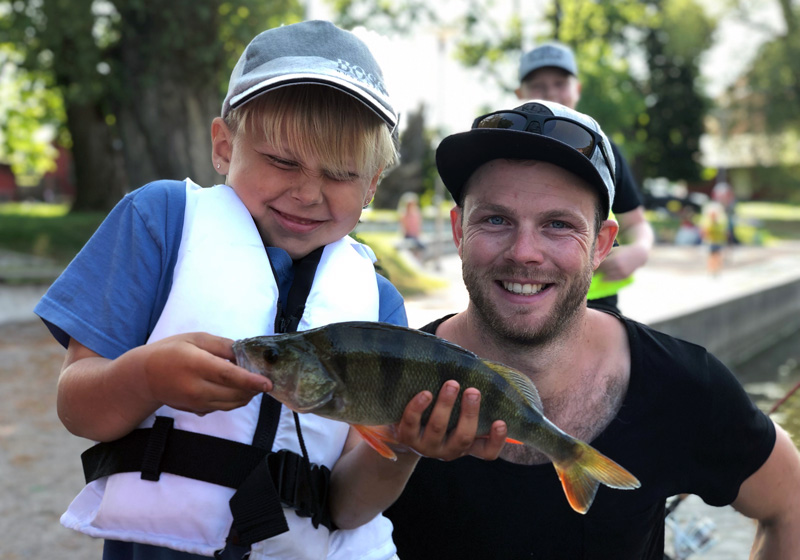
x=489 y=447
x=408 y=429
x=436 y=428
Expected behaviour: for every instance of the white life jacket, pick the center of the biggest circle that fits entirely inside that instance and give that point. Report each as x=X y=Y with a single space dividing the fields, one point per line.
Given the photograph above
x=223 y=284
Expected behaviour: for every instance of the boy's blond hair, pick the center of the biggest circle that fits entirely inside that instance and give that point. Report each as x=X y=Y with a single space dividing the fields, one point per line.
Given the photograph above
x=322 y=123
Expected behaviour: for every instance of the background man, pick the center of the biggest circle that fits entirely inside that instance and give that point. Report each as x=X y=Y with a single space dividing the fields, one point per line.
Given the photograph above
x=550 y=72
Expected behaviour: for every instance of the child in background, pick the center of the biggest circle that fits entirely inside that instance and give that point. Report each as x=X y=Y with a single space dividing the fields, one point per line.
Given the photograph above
x=150 y=307
x=410 y=219
x=715 y=235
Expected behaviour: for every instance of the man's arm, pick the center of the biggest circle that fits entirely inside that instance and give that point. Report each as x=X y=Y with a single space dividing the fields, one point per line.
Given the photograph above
x=771 y=496
x=637 y=240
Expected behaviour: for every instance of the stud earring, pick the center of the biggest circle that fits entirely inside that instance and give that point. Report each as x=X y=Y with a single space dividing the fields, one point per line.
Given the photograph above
x=217 y=166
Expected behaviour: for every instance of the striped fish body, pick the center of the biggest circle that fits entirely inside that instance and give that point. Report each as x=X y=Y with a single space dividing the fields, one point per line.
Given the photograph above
x=365 y=374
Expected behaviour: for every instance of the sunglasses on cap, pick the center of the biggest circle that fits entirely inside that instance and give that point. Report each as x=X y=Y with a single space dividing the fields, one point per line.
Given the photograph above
x=570 y=132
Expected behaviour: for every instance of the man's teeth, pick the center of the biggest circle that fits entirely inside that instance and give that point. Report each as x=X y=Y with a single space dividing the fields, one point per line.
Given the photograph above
x=524 y=289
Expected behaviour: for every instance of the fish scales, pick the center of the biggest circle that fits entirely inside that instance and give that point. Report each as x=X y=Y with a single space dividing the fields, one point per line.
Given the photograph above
x=389 y=371
x=366 y=373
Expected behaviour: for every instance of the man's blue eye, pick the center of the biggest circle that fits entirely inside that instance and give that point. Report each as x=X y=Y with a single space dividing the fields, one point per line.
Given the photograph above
x=495 y=220
x=559 y=224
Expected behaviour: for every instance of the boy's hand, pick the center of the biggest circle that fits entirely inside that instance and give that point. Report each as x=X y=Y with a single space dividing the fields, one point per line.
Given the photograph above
x=195 y=372
x=433 y=440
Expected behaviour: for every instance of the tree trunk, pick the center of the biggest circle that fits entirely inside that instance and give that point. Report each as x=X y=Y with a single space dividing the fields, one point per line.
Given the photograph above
x=166 y=132
x=99 y=173
x=171 y=93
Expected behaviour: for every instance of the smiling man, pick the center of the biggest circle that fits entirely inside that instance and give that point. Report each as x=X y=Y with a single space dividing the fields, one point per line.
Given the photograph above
x=533 y=188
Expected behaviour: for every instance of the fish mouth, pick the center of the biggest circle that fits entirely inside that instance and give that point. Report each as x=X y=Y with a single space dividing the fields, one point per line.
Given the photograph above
x=241 y=356
x=525 y=289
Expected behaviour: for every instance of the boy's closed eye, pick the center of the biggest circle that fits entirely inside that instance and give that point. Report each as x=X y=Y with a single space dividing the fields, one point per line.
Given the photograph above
x=283 y=163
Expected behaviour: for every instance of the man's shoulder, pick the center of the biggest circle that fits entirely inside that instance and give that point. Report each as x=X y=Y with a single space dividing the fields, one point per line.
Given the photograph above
x=431 y=327
x=663 y=347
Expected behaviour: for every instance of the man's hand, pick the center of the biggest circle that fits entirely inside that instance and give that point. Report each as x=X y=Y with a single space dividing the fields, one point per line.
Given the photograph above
x=434 y=441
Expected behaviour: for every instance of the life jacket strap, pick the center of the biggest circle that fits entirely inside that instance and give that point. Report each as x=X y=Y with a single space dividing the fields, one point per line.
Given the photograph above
x=264 y=481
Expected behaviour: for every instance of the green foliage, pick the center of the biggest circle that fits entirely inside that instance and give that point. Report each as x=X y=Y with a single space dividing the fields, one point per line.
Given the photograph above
x=771 y=87
x=385 y=16
x=638 y=65
x=32 y=114
x=677 y=34
x=69 y=53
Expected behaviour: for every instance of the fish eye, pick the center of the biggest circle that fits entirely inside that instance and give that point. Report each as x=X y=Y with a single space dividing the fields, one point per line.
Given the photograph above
x=270 y=355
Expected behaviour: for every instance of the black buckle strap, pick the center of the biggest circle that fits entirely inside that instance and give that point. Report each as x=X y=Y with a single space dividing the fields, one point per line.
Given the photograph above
x=188 y=454
x=154 y=451
x=301 y=486
x=258 y=476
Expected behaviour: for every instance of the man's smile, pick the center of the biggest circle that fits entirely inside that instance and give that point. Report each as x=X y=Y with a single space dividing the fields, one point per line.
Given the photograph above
x=524 y=289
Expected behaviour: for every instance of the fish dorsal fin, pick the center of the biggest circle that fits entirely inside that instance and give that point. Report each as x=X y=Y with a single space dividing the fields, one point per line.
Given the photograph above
x=518 y=381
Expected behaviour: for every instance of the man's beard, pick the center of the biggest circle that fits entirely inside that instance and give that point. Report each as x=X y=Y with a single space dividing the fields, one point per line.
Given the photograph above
x=502 y=328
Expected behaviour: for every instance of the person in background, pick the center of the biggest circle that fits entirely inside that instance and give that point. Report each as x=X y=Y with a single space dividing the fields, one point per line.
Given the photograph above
x=550 y=72
x=195 y=459
x=533 y=187
x=410 y=219
x=715 y=235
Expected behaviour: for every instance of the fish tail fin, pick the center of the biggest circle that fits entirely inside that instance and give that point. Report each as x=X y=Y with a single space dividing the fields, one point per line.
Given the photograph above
x=378 y=438
x=582 y=475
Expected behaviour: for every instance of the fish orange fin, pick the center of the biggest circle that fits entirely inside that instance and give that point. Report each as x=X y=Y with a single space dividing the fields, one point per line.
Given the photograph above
x=582 y=475
x=514 y=441
x=377 y=437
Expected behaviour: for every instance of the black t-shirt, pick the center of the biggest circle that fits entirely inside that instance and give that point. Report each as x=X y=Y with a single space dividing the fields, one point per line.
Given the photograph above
x=686 y=426
x=627 y=196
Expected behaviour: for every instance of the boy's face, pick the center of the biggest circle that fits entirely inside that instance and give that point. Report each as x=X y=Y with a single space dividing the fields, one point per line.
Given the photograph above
x=296 y=205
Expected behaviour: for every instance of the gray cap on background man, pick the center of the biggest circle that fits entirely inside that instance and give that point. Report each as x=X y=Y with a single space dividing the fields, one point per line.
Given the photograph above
x=552 y=54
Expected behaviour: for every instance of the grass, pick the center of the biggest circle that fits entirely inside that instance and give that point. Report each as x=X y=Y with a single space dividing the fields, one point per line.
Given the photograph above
x=401 y=270
x=47 y=231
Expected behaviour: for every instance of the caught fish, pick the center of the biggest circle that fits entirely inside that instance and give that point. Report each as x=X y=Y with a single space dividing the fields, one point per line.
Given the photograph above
x=365 y=374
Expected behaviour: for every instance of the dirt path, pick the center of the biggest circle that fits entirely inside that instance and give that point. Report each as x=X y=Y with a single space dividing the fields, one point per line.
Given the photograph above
x=40 y=469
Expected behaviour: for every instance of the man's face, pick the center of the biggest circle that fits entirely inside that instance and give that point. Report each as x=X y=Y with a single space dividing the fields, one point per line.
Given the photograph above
x=551 y=84
x=526 y=237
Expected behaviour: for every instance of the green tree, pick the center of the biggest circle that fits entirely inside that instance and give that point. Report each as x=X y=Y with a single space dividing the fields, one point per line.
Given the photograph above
x=140 y=80
x=32 y=113
x=637 y=60
x=678 y=32
x=767 y=99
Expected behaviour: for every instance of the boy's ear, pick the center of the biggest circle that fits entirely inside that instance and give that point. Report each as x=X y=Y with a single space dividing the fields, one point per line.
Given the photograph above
x=605 y=241
x=221 y=145
x=373 y=186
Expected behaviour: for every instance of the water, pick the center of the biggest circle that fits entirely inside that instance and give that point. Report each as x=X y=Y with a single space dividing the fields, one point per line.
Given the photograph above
x=770 y=376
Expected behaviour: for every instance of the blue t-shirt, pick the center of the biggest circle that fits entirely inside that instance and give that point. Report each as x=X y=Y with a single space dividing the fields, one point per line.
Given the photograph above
x=111 y=295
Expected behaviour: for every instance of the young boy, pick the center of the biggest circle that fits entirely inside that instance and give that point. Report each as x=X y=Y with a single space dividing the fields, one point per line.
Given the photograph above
x=149 y=308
